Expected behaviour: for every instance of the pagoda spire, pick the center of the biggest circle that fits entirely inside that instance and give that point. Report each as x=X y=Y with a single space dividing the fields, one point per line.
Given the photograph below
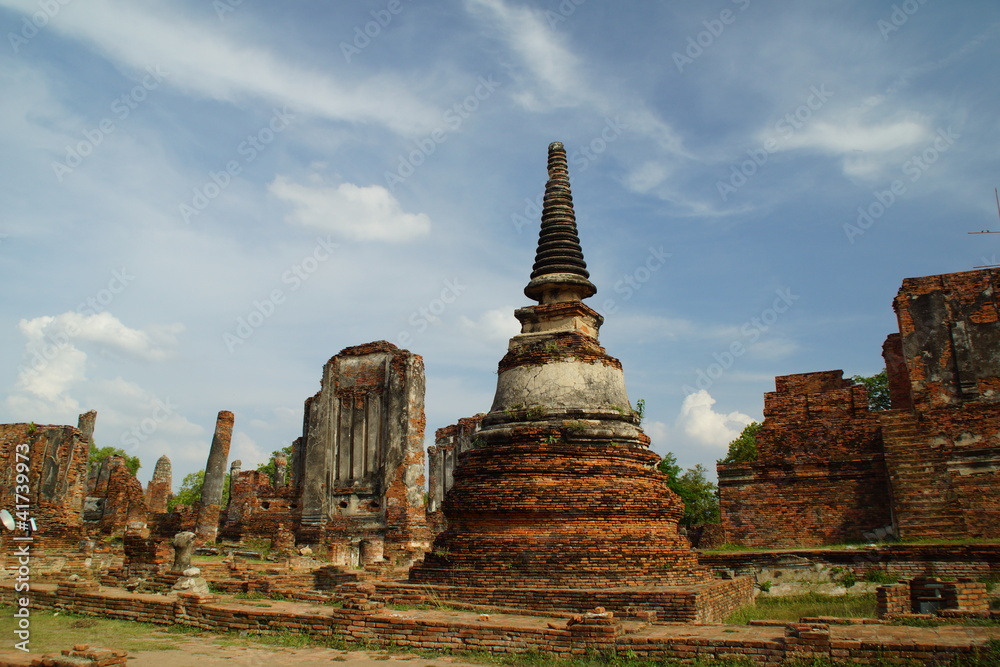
x=560 y=273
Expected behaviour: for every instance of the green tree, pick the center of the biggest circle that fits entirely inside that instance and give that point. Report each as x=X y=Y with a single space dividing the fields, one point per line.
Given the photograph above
x=268 y=468
x=99 y=454
x=744 y=448
x=700 y=496
x=878 y=389
x=190 y=491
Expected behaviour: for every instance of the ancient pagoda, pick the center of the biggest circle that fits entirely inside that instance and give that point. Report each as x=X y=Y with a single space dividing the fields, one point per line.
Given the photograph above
x=561 y=490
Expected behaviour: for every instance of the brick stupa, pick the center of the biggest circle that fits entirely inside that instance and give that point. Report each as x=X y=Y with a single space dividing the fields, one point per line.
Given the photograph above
x=561 y=490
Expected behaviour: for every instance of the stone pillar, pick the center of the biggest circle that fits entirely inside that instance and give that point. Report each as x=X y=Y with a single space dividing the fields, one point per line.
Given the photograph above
x=215 y=471
x=280 y=469
x=85 y=424
x=158 y=491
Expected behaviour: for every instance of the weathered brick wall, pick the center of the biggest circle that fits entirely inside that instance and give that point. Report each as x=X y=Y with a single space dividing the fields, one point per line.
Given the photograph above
x=820 y=474
x=449 y=442
x=257 y=510
x=125 y=501
x=950 y=330
x=360 y=462
x=942 y=439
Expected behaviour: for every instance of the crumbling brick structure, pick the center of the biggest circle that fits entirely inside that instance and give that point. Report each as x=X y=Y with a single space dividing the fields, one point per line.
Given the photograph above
x=820 y=475
x=359 y=464
x=43 y=476
x=449 y=442
x=158 y=491
x=942 y=437
x=828 y=470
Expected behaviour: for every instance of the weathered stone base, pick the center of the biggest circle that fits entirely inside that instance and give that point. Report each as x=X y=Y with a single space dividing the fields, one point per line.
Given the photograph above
x=698 y=603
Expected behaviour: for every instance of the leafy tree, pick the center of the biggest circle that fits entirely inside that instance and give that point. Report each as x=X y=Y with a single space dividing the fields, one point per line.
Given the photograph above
x=700 y=496
x=878 y=389
x=100 y=454
x=190 y=491
x=268 y=468
x=744 y=448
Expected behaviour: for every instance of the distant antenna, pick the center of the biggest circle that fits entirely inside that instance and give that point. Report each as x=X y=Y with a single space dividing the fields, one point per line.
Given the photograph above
x=996 y=195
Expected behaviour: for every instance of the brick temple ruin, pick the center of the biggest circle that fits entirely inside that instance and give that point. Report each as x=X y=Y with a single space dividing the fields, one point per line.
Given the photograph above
x=829 y=470
x=559 y=496
x=549 y=502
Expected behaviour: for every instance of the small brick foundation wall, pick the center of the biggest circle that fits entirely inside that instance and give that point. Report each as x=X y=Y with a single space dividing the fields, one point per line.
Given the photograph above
x=363 y=619
x=903 y=560
x=700 y=603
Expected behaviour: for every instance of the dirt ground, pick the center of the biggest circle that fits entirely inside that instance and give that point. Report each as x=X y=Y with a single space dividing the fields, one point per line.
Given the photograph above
x=205 y=652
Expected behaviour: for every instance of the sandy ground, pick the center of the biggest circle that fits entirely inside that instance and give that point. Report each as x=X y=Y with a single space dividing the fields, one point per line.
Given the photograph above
x=204 y=652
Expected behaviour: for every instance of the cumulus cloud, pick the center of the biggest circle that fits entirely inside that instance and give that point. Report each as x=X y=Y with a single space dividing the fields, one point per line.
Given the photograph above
x=56 y=363
x=362 y=213
x=699 y=421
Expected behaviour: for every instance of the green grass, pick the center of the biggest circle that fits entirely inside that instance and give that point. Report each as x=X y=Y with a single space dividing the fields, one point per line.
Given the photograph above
x=794 y=607
x=53 y=632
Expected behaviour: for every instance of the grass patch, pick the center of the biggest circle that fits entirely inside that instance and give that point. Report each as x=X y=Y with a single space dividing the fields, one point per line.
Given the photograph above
x=794 y=607
x=55 y=631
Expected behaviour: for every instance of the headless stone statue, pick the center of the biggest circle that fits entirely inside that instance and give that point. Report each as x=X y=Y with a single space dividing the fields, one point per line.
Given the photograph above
x=183 y=547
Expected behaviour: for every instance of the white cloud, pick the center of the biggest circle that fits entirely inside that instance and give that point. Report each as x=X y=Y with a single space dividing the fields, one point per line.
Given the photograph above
x=56 y=364
x=657 y=432
x=247 y=451
x=363 y=213
x=200 y=60
x=497 y=324
x=698 y=420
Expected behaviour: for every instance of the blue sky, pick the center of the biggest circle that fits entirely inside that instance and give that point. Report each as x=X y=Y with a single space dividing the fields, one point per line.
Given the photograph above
x=202 y=202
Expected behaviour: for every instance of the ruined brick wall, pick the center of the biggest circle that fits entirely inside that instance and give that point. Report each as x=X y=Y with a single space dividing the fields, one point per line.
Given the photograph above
x=257 y=510
x=125 y=501
x=361 y=456
x=43 y=475
x=449 y=442
x=55 y=458
x=820 y=475
x=942 y=439
x=950 y=338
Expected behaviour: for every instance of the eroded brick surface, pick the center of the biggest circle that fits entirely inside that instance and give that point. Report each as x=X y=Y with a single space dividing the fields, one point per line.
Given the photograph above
x=820 y=474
